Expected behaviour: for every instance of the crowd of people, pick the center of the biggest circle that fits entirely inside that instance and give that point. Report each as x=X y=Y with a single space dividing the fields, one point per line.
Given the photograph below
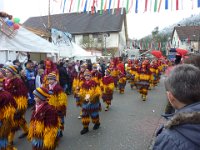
x=45 y=87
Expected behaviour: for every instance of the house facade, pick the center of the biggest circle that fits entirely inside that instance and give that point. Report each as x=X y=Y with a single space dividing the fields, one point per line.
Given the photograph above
x=106 y=33
x=186 y=37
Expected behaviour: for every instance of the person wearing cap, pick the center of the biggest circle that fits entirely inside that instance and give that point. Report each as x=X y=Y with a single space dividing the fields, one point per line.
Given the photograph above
x=90 y=94
x=107 y=88
x=96 y=74
x=77 y=83
x=57 y=99
x=8 y=108
x=18 y=90
x=44 y=123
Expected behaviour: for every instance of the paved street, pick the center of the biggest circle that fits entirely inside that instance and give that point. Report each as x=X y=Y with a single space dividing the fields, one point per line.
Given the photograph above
x=128 y=125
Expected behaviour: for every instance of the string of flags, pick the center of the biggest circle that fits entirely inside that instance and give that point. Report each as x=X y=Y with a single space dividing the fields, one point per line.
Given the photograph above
x=131 y=6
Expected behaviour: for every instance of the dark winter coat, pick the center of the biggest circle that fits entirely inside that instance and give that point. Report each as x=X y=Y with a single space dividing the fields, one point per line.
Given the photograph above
x=181 y=131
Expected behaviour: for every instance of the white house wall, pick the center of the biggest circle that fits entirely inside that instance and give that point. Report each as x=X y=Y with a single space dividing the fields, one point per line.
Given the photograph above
x=122 y=39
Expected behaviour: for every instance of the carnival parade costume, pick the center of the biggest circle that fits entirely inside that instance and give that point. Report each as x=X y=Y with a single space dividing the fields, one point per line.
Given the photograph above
x=121 y=82
x=144 y=80
x=155 y=74
x=77 y=83
x=134 y=75
x=57 y=99
x=90 y=93
x=96 y=75
x=44 y=123
x=49 y=68
x=18 y=90
x=107 y=87
x=8 y=108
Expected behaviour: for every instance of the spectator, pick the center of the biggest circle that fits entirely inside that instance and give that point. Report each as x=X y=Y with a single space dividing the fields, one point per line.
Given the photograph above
x=181 y=131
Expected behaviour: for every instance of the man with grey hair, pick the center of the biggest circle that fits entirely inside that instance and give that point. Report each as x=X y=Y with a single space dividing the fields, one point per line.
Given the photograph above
x=181 y=131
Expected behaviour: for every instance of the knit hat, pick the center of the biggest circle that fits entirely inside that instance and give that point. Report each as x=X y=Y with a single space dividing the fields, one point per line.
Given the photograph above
x=87 y=73
x=84 y=65
x=94 y=65
x=12 y=69
x=41 y=93
x=3 y=71
x=51 y=76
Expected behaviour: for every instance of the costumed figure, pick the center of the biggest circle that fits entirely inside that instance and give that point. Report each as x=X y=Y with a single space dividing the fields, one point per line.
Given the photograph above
x=114 y=73
x=44 y=123
x=90 y=93
x=2 y=73
x=30 y=79
x=77 y=83
x=49 y=68
x=57 y=99
x=155 y=74
x=127 y=69
x=144 y=80
x=134 y=74
x=15 y=86
x=107 y=88
x=8 y=108
x=96 y=75
x=121 y=82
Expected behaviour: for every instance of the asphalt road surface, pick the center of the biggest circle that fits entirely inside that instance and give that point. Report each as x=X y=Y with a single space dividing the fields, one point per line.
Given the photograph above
x=130 y=123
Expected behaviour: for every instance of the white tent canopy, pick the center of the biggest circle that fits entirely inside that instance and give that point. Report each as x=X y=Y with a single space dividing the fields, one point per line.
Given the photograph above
x=26 y=41
x=72 y=50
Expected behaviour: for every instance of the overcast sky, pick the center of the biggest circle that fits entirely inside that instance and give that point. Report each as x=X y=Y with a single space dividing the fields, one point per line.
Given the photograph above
x=139 y=24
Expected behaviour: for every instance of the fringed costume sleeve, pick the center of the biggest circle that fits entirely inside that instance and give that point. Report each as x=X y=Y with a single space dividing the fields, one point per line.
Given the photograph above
x=44 y=127
x=58 y=100
x=19 y=91
x=7 y=110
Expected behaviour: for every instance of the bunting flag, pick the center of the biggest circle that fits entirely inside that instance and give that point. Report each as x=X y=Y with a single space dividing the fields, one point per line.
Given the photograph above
x=105 y=5
x=93 y=7
x=177 y=4
x=192 y=4
x=82 y=3
x=198 y=3
x=146 y=4
x=101 y=10
x=127 y=6
x=159 y=5
x=70 y=6
x=150 y=5
x=78 y=5
x=85 y=7
x=122 y=8
x=113 y=7
x=64 y=6
x=118 y=4
x=136 y=6
x=171 y=5
x=110 y=2
x=155 y=5
x=166 y=4
x=129 y=10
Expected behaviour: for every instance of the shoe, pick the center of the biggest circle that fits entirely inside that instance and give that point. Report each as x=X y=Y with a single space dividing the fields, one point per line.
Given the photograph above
x=23 y=135
x=106 y=109
x=96 y=126
x=79 y=117
x=85 y=130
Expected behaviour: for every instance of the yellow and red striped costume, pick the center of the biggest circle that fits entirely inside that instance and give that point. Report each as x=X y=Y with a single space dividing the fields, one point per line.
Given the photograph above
x=92 y=107
x=8 y=108
x=107 y=87
x=18 y=90
x=58 y=100
x=43 y=128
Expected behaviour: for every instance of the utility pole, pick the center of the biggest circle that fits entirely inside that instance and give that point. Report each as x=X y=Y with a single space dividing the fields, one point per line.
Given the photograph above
x=49 y=22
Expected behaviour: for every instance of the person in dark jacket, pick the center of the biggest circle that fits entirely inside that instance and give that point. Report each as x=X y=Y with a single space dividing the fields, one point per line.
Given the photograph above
x=63 y=76
x=181 y=131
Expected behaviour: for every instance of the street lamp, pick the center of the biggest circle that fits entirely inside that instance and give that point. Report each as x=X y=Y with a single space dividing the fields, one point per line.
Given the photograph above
x=105 y=37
